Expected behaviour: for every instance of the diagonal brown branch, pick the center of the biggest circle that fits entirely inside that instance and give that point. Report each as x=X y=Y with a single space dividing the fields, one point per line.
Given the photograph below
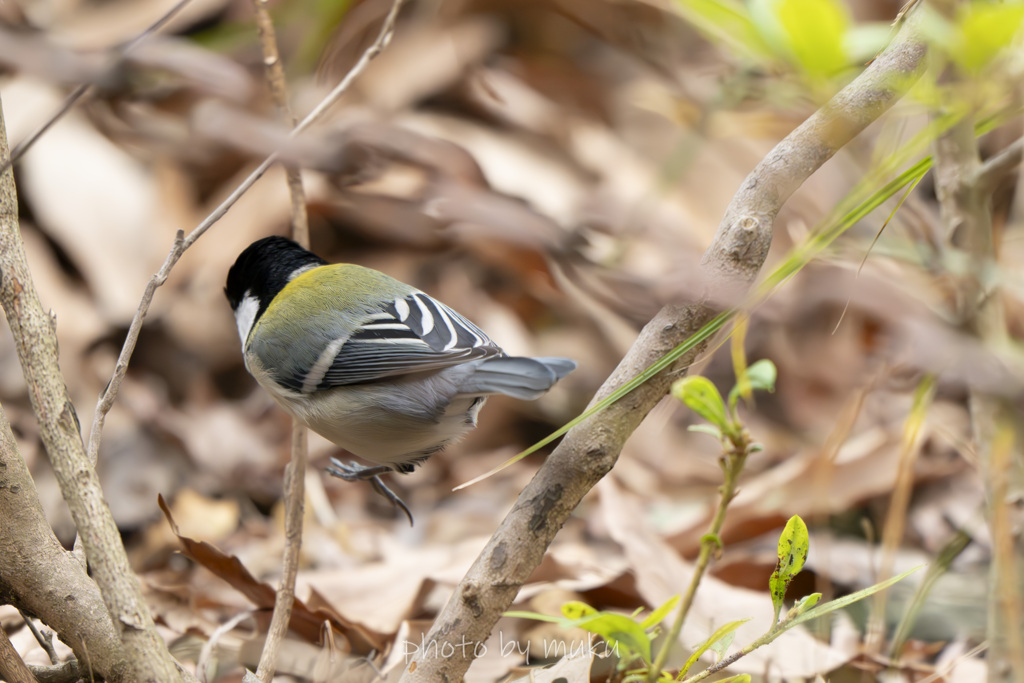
x=36 y=343
x=79 y=617
x=590 y=450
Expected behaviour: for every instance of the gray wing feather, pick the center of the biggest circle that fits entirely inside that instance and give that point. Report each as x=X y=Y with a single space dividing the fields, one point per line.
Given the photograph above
x=413 y=334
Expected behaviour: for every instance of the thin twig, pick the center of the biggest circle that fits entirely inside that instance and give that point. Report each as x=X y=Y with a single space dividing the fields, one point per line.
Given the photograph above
x=295 y=472
x=285 y=598
x=211 y=642
x=279 y=93
x=988 y=175
x=106 y=400
x=732 y=465
x=45 y=640
x=81 y=90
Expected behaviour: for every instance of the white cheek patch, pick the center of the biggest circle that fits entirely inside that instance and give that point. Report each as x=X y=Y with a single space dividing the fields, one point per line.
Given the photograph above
x=245 y=316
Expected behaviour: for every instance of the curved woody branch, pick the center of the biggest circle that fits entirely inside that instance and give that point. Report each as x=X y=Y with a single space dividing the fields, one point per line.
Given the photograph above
x=589 y=451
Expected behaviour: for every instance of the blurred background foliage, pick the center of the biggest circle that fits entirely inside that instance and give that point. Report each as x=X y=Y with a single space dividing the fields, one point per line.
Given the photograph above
x=553 y=169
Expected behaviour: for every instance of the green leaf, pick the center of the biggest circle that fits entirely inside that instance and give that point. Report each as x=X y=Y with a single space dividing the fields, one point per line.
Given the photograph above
x=658 y=615
x=839 y=603
x=762 y=375
x=805 y=603
x=985 y=30
x=721 y=646
x=757 y=377
x=720 y=633
x=938 y=567
x=617 y=629
x=777 y=587
x=815 y=30
x=701 y=396
x=738 y=678
x=574 y=609
x=794 y=544
x=706 y=429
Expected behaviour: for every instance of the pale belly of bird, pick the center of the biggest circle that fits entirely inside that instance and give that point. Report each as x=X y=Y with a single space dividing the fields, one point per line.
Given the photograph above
x=392 y=427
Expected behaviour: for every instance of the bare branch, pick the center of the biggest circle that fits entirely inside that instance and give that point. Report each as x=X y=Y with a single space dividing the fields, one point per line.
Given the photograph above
x=45 y=640
x=12 y=666
x=34 y=568
x=964 y=188
x=590 y=450
x=988 y=175
x=36 y=343
x=295 y=473
x=279 y=93
x=68 y=672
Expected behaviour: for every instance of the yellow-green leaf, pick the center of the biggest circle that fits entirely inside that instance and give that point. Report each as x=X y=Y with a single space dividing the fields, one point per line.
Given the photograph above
x=762 y=375
x=985 y=30
x=659 y=614
x=574 y=609
x=720 y=633
x=701 y=396
x=815 y=31
x=793 y=546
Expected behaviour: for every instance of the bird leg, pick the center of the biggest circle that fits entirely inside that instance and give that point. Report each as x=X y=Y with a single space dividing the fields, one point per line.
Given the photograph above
x=351 y=472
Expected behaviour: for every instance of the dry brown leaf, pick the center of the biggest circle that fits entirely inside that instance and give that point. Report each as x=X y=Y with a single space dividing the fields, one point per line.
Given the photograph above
x=381 y=595
x=304 y=621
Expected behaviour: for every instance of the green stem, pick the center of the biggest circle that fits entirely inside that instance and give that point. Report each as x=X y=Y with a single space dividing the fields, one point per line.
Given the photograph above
x=733 y=461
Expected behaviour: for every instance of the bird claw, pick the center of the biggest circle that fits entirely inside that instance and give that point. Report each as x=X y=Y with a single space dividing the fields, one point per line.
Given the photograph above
x=351 y=472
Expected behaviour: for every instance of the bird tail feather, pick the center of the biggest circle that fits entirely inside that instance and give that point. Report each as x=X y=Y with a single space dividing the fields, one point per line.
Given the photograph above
x=518 y=377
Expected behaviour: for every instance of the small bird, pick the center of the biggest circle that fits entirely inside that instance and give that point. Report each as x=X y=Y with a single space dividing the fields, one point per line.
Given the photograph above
x=379 y=368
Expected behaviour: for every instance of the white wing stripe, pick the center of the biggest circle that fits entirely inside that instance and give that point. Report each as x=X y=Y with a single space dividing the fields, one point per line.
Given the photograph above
x=398 y=342
x=453 y=335
x=427 y=320
x=322 y=365
x=385 y=326
x=402 y=306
